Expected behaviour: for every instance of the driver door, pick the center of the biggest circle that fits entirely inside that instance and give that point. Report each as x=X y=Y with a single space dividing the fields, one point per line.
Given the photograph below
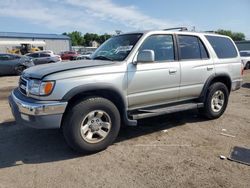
x=157 y=82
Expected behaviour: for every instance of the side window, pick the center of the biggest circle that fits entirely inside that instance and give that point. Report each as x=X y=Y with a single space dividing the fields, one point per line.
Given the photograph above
x=6 y=57
x=203 y=51
x=44 y=55
x=162 y=45
x=222 y=46
x=191 y=47
x=33 y=55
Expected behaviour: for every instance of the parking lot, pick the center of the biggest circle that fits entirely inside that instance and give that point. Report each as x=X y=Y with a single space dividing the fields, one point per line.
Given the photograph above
x=177 y=150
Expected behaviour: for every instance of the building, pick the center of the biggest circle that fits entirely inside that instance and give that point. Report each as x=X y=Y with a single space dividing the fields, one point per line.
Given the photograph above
x=55 y=42
x=243 y=45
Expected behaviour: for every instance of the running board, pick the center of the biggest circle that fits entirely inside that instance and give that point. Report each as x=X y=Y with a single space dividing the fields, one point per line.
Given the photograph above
x=145 y=113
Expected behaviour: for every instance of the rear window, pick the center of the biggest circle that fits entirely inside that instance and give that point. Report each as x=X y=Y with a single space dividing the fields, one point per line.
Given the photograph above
x=223 y=47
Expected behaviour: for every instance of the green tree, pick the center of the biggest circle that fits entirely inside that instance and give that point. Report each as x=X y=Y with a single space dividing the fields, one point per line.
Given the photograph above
x=89 y=37
x=76 y=38
x=103 y=38
x=236 y=36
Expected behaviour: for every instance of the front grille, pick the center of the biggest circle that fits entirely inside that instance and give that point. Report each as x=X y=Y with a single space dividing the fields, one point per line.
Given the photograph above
x=23 y=85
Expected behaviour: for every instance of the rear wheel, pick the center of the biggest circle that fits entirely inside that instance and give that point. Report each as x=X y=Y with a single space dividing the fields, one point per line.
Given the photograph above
x=216 y=101
x=248 y=65
x=91 y=125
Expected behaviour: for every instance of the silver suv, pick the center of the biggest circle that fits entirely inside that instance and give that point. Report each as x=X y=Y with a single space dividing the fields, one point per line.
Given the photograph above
x=129 y=77
x=43 y=57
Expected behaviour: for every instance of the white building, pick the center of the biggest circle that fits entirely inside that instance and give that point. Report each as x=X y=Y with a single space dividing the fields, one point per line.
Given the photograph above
x=55 y=42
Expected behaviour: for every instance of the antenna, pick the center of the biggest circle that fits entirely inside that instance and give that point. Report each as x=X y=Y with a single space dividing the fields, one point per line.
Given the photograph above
x=176 y=28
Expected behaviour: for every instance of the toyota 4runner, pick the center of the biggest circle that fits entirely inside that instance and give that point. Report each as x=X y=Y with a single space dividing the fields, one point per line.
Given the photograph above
x=129 y=77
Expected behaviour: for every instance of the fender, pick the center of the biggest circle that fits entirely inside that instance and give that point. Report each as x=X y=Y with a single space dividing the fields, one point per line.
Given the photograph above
x=105 y=87
x=210 y=80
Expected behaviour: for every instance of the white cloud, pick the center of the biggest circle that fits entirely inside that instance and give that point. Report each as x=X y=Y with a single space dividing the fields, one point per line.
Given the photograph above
x=129 y=16
x=83 y=15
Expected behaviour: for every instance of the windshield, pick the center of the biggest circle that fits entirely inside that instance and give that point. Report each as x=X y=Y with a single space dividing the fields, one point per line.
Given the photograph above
x=116 y=48
x=244 y=54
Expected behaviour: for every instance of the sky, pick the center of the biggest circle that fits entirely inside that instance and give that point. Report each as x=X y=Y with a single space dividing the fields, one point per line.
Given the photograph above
x=106 y=16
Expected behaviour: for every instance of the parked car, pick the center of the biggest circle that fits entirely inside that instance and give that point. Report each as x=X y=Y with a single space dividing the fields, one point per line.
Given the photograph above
x=84 y=56
x=129 y=77
x=14 y=64
x=69 y=55
x=43 y=58
x=46 y=51
x=245 y=56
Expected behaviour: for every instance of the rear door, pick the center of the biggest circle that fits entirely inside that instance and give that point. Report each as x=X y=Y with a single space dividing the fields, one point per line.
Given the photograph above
x=44 y=58
x=196 y=65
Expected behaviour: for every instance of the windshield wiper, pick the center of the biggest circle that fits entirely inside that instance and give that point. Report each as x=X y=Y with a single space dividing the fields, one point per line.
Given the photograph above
x=103 y=58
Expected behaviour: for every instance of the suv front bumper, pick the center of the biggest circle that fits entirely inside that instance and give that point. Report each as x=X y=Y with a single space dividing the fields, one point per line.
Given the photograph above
x=35 y=113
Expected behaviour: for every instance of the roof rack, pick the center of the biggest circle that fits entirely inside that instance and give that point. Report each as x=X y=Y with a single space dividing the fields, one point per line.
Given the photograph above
x=176 y=28
x=210 y=31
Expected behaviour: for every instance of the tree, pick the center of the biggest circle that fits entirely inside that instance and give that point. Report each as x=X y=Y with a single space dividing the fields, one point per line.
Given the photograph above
x=103 y=38
x=78 y=39
x=236 y=36
x=89 y=37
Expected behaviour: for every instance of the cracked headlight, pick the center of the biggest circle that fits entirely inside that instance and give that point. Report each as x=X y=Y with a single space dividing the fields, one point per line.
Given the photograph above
x=41 y=88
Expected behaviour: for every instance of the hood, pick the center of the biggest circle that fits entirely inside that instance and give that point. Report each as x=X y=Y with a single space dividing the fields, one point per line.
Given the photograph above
x=41 y=71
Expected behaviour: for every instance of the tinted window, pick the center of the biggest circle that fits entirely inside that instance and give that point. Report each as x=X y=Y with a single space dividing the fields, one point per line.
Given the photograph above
x=244 y=54
x=4 y=57
x=162 y=45
x=222 y=46
x=33 y=55
x=16 y=57
x=203 y=51
x=191 y=47
x=44 y=55
x=7 y=57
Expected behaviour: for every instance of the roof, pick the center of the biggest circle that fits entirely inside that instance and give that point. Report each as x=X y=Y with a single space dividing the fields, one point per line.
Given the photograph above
x=33 y=35
x=173 y=32
x=41 y=43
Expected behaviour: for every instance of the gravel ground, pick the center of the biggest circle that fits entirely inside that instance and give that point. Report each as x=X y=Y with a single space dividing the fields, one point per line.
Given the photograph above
x=177 y=150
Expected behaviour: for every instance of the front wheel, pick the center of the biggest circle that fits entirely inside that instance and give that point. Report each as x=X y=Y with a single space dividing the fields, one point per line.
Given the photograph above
x=91 y=125
x=20 y=69
x=216 y=101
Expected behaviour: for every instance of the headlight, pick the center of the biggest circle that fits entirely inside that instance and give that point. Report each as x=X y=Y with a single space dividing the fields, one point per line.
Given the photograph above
x=38 y=87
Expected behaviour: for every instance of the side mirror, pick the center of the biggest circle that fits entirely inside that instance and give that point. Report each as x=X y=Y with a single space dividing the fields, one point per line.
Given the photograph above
x=146 y=56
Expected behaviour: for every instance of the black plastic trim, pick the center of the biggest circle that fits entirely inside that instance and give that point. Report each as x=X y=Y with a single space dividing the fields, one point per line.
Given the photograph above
x=208 y=82
x=101 y=86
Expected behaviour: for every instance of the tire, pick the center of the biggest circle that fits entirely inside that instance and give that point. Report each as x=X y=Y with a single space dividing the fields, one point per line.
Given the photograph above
x=20 y=69
x=248 y=65
x=214 y=108
x=86 y=119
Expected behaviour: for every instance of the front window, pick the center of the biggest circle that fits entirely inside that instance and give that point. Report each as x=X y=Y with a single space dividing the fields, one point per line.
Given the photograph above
x=116 y=48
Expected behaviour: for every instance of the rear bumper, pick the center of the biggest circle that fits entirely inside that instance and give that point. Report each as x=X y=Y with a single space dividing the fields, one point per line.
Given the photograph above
x=36 y=114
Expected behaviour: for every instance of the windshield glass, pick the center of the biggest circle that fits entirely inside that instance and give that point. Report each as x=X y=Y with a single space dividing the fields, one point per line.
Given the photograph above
x=244 y=54
x=116 y=48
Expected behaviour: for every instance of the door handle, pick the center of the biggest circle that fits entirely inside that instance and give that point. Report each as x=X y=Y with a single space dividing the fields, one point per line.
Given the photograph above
x=209 y=68
x=172 y=71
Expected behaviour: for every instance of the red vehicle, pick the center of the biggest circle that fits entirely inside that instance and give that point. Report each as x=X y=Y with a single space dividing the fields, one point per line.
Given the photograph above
x=69 y=55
